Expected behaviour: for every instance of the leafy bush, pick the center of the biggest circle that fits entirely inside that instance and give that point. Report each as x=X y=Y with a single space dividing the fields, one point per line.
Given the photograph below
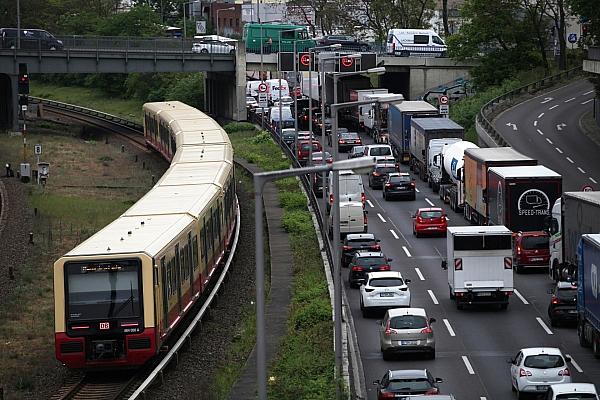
x=262 y=137
x=297 y=221
x=239 y=127
x=189 y=89
x=292 y=200
x=313 y=312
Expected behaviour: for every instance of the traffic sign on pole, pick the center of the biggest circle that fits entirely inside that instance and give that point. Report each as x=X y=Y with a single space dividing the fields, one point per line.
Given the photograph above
x=587 y=188
x=444 y=109
x=262 y=100
x=262 y=88
x=443 y=99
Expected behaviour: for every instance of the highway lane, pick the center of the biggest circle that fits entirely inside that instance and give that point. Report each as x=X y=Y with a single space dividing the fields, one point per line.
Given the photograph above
x=472 y=345
x=547 y=127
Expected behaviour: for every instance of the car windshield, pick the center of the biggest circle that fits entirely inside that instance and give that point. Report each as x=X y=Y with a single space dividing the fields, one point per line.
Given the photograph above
x=348 y=135
x=306 y=147
x=386 y=282
x=577 y=396
x=408 y=322
x=535 y=242
x=566 y=294
x=431 y=214
x=380 y=151
x=544 y=361
x=320 y=155
x=409 y=384
x=400 y=179
x=371 y=261
x=385 y=170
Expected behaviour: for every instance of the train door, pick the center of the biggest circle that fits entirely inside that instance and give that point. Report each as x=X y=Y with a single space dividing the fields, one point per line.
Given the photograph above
x=191 y=262
x=178 y=276
x=165 y=293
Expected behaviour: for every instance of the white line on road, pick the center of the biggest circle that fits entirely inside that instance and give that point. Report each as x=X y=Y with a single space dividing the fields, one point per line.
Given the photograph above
x=381 y=218
x=468 y=365
x=429 y=202
x=540 y=132
x=549 y=141
x=581 y=170
x=450 y=330
x=535 y=123
x=406 y=251
x=418 y=271
x=577 y=367
x=587 y=101
x=586 y=93
x=559 y=150
x=394 y=234
x=543 y=324
x=593 y=180
x=483 y=398
x=370 y=204
x=553 y=107
x=417 y=190
x=433 y=298
x=569 y=160
x=520 y=296
x=571 y=99
x=541 y=115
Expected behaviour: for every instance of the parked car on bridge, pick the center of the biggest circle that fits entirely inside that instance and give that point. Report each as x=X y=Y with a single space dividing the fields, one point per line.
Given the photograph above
x=347 y=42
x=213 y=47
x=30 y=39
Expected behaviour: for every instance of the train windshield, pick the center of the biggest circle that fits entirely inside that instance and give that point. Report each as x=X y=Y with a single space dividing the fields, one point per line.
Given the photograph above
x=101 y=290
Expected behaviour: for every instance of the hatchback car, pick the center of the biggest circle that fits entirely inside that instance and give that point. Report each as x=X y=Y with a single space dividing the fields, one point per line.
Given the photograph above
x=317 y=184
x=429 y=221
x=408 y=381
x=358 y=242
x=356 y=151
x=364 y=262
x=534 y=369
x=382 y=291
x=399 y=184
x=531 y=249
x=379 y=175
x=288 y=136
x=304 y=149
x=572 y=391
x=317 y=157
x=213 y=47
x=406 y=330
x=347 y=140
x=563 y=304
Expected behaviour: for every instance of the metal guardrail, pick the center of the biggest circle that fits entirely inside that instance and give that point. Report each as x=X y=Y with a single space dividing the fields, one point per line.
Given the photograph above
x=506 y=99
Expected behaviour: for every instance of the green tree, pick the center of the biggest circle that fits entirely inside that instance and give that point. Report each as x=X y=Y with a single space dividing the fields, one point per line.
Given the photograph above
x=189 y=89
x=139 y=21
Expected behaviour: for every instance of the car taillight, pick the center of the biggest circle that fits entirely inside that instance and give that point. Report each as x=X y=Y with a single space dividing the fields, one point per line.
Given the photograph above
x=427 y=330
x=388 y=330
x=412 y=184
x=358 y=141
x=365 y=219
x=346 y=248
x=432 y=391
x=554 y=299
x=524 y=372
x=458 y=264
x=329 y=160
x=305 y=118
x=331 y=199
x=388 y=185
x=357 y=268
x=341 y=141
x=375 y=247
x=363 y=198
x=507 y=262
x=564 y=372
x=386 y=395
x=419 y=220
x=375 y=173
x=519 y=250
x=385 y=268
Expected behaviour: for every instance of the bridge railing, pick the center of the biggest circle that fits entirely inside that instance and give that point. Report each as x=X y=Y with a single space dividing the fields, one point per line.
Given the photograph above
x=485 y=115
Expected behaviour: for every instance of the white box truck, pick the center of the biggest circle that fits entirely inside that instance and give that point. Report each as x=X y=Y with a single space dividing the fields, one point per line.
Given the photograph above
x=479 y=264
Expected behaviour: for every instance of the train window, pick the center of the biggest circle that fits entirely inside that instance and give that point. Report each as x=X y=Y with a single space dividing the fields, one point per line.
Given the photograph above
x=177 y=266
x=165 y=292
x=190 y=254
x=205 y=242
x=183 y=263
x=195 y=250
x=210 y=235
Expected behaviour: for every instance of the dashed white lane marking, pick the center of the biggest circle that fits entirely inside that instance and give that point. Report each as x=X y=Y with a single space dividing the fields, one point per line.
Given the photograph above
x=468 y=365
x=559 y=150
x=418 y=271
x=540 y=132
x=571 y=99
x=417 y=190
x=535 y=123
x=370 y=204
x=483 y=398
x=429 y=202
x=544 y=326
x=406 y=251
x=587 y=101
x=549 y=141
x=569 y=160
x=541 y=115
x=553 y=107
x=433 y=298
x=450 y=330
x=586 y=93
x=577 y=367
x=581 y=170
x=394 y=234
x=381 y=218
x=520 y=296
x=593 y=180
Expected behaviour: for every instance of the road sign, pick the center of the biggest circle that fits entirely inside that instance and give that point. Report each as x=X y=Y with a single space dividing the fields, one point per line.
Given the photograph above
x=37 y=149
x=444 y=109
x=587 y=188
x=262 y=88
x=200 y=26
x=572 y=38
x=262 y=100
x=443 y=99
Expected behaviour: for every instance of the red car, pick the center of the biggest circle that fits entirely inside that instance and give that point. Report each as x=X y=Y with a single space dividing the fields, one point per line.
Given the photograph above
x=304 y=148
x=430 y=220
x=531 y=249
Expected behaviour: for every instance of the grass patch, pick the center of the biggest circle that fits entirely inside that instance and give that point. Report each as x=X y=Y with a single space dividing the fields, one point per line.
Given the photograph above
x=130 y=109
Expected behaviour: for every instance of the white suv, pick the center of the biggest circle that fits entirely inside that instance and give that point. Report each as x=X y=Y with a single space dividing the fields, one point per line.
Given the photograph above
x=534 y=369
x=384 y=290
x=213 y=46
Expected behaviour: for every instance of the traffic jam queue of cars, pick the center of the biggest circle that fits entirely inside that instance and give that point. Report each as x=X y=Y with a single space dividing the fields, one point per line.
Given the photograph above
x=505 y=234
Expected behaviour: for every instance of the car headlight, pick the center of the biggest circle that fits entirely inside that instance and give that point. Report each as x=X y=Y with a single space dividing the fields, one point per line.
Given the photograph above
x=59 y=41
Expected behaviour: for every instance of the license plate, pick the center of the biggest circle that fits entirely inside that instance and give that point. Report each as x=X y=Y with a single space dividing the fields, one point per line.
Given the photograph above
x=541 y=387
x=484 y=293
x=408 y=342
x=572 y=311
x=386 y=294
x=431 y=228
x=536 y=259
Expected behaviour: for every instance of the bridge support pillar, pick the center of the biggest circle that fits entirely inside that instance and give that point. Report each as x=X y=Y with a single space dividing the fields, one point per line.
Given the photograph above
x=418 y=82
x=225 y=93
x=9 y=102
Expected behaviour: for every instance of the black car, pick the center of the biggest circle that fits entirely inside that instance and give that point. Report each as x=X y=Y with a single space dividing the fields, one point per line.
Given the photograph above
x=356 y=151
x=399 y=185
x=379 y=175
x=406 y=381
x=289 y=136
x=346 y=140
x=318 y=126
x=347 y=42
x=30 y=39
x=364 y=262
x=303 y=120
x=317 y=181
x=354 y=242
x=563 y=304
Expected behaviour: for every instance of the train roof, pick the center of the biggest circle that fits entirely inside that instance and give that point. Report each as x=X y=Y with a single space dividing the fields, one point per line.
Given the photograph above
x=206 y=153
x=204 y=136
x=213 y=172
x=191 y=199
x=164 y=106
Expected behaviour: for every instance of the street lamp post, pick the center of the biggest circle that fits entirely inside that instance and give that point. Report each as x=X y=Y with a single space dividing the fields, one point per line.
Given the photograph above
x=18 y=24
x=358 y=165
x=280 y=104
x=222 y=9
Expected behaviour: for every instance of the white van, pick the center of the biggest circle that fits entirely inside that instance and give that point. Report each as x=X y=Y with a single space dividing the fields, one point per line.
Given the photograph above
x=381 y=152
x=415 y=42
x=351 y=188
x=273 y=89
x=353 y=218
x=252 y=88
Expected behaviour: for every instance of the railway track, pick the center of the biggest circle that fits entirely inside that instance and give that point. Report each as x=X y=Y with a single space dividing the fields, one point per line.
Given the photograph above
x=97 y=386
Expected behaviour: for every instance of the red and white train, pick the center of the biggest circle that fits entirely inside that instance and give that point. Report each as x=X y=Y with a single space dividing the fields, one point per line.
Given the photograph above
x=120 y=294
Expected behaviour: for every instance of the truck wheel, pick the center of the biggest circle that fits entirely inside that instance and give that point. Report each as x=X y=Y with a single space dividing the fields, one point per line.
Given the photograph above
x=596 y=346
x=518 y=269
x=581 y=334
x=451 y=294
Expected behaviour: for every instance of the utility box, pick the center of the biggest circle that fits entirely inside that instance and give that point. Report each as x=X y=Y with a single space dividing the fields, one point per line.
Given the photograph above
x=25 y=172
x=43 y=172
